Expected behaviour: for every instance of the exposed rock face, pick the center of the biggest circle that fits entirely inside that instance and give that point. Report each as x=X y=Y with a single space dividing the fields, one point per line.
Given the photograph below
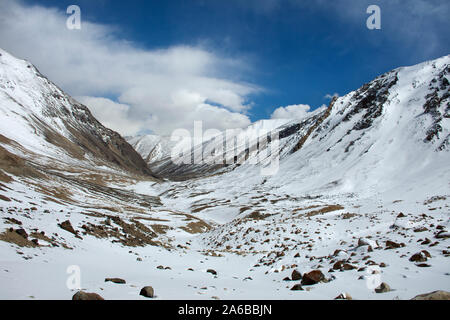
x=81 y=295
x=436 y=295
x=147 y=292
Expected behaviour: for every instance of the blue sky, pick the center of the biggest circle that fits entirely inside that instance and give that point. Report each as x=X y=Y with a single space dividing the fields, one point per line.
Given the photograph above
x=292 y=51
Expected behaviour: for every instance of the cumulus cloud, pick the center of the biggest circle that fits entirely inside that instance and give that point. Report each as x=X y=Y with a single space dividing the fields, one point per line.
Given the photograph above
x=296 y=111
x=158 y=90
x=112 y=114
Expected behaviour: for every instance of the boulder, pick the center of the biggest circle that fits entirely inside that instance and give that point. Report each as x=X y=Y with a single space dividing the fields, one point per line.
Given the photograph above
x=384 y=287
x=435 y=295
x=393 y=245
x=66 y=225
x=418 y=257
x=296 y=275
x=147 y=292
x=81 y=295
x=115 y=280
x=344 y=296
x=312 y=277
x=212 y=271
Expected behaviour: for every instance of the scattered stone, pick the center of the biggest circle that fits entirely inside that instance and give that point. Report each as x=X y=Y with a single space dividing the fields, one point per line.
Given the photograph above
x=338 y=265
x=344 y=296
x=418 y=257
x=212 y=271
x=66 y=225
x=348 y=266
x=436 y=295
x=81 y=295
x=312 y=277
x=393 y=245
x=443 y=235
x=296 y=275
x=384 y=287
x=147 y=292
x=297 y=287
x=22 y=233
x=115 y=280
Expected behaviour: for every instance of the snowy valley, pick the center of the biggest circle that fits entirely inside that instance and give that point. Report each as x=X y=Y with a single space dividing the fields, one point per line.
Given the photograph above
x=360 y=199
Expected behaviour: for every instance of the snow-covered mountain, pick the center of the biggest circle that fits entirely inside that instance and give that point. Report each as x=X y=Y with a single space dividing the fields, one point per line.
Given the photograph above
x=361 y=188
x=40 y=118
x=151 y=147
x=392 y=130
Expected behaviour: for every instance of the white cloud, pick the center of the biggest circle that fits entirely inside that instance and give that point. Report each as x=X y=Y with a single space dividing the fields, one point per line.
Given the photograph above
x=114 y=115
x=296 y=111
x=159 y=90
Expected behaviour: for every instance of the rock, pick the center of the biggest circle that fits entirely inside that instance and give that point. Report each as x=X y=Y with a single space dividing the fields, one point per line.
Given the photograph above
x=367 y=242
x=312 y=277
x=393 y=245
x=435 y=295
x=443 y=235
x=418 y=257
x=287 y=279
x=81 y=295
x=401 y=215
x=212 y=271
x=296 y=275
x=147 y=292
x=115 y=280
x=384 y=287
x=338 y=265
x=297 y=287
x=22 y=233
x=66 y=225
x=344 y=296
x=160 y=267
x=426 y=253
x=348 y=266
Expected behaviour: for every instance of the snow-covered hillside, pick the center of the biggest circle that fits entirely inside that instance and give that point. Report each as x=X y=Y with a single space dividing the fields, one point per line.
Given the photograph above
x=41 y=118
x=360 y=198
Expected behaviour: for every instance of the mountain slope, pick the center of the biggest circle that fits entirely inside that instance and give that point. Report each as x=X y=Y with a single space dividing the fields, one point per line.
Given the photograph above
x=41 y=118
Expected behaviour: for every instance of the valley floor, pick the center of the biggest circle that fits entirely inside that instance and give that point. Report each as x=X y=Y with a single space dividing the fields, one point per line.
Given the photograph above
x=168 y=235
